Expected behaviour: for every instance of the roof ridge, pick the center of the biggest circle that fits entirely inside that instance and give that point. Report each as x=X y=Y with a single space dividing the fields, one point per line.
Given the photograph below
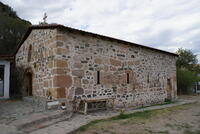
x=54 y=25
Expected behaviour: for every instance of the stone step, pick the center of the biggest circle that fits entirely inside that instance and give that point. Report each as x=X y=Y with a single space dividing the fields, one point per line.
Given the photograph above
x=45 y=124
x=40 y=120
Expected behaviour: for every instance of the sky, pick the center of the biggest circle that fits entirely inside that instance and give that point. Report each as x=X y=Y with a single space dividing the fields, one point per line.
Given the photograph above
x=162 y=24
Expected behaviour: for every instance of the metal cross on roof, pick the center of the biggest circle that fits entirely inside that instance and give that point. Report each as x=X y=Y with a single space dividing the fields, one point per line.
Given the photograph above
x=45 y=17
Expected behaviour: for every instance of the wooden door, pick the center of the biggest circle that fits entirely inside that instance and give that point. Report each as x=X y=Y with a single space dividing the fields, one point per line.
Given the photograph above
x=169 y=89
x=28 y=87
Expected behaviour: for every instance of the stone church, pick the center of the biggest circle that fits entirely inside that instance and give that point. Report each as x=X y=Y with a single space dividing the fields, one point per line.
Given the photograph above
x=63 y=63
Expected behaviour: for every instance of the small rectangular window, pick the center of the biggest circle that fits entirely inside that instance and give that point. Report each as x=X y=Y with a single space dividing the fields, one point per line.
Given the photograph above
x=98 y=77
x=148 y=78
x=168 y=80
x=29 y=53
x=127 y=75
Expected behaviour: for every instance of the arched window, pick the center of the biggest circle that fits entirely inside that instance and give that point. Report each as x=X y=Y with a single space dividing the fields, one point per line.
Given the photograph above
x=29 y=53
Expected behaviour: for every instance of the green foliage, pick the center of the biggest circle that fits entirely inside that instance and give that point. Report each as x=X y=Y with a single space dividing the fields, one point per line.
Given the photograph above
x=140 y=115
x=122 y=115
x=186 y=80
x=168 y=101
x=186 y=59
x=12 y=29
x=195 y=68
x=85 y=127
x=192 y=132
x=7 y=11
x=187 y=70
x=131 y=118
x=43 y=23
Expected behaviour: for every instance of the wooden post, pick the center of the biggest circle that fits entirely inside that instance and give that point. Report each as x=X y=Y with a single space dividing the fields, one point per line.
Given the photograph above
x=113 y=106
x=85 y=109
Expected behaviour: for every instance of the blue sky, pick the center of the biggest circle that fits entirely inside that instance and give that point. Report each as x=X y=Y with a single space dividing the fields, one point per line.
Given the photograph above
x=163 y=24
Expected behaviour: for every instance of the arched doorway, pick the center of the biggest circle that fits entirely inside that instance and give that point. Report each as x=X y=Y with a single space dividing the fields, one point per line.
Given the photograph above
x=28 y=91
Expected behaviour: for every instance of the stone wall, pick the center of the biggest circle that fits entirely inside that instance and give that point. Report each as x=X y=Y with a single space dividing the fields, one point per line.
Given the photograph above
x=134 y=75
x=37 y=55
x=68 y=64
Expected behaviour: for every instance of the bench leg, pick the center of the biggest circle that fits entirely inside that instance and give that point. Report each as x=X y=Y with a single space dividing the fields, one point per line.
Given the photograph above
x=85 y=109
x=113 y=105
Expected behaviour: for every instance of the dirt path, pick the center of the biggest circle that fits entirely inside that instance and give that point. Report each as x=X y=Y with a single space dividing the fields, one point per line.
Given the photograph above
x=11 y=110
x=176 y=119
x=183 y=119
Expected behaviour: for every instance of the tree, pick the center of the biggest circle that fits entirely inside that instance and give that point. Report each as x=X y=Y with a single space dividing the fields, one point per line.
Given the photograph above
x=187 y=70
x=186 y=80
x=12 y=29
x=186 y=59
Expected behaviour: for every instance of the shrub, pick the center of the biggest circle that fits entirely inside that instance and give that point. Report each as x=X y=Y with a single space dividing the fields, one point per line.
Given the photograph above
x=186 y=80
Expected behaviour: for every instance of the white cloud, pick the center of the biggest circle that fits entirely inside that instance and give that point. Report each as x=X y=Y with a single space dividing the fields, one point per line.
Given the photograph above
x=166 y=25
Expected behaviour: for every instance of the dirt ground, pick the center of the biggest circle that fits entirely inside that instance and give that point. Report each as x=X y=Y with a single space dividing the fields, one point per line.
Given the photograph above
x=11 y=110
x=184 y=119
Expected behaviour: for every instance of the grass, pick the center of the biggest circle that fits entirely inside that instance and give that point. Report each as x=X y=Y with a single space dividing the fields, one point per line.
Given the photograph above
x=121 y=116
x=142 y=115
x=179 y=126
x=159 y=132
x=124 y=119
x=148 y=130
x=198 y=114
x=163 y=132
x=192 y=132
x=165 y=103
x=85 y=127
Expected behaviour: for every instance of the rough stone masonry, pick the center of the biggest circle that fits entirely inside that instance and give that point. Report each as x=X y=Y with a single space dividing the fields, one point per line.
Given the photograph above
x=73 y=64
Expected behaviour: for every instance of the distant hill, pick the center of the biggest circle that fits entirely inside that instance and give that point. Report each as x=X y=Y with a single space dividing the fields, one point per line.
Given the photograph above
x=12 y=29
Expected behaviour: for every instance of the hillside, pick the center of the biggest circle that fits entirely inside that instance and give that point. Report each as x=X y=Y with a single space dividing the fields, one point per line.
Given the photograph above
x=12 y=29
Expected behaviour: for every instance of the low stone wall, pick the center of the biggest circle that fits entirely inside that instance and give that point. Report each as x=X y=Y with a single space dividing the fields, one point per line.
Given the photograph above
x=39 y=103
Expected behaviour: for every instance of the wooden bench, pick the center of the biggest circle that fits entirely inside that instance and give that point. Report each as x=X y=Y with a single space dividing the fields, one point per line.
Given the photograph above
x=86 y=102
